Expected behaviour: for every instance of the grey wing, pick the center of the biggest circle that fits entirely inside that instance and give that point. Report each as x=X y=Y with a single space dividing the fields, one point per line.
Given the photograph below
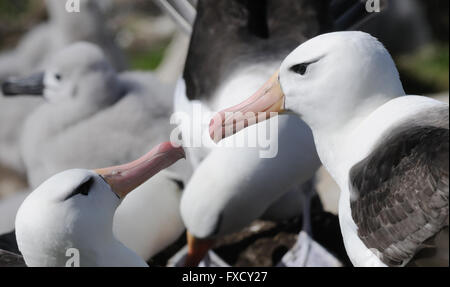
x=255 y=32
x=402 y=191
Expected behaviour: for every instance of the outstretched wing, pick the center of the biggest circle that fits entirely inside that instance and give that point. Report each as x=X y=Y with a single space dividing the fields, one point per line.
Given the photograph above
x=401 y=192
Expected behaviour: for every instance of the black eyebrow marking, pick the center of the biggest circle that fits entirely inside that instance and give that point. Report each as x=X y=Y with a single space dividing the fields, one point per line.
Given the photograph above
x=310 y=62
x=82 y=189
x=304 y=65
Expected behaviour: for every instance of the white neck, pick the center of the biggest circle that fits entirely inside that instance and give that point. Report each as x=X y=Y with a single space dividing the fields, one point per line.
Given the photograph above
x=337 y=143
x=339 y=148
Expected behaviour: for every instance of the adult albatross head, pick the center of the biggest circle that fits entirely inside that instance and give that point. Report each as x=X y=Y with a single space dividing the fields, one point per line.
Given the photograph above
x=323 y=81
x=74 y=210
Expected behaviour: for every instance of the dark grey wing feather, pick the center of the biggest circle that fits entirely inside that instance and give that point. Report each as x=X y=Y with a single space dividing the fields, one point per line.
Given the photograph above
x=402 y=191
x=351 y=14
x=8 y=259
x=8 y=242
x=229 y=34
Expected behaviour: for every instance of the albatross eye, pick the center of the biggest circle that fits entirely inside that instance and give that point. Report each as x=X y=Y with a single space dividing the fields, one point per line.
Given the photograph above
x=58 y=77
x=82 y=189
x=300 y=68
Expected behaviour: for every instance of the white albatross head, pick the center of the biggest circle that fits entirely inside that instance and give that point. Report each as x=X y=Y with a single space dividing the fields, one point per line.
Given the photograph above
x=327 y=81
x=74 y=210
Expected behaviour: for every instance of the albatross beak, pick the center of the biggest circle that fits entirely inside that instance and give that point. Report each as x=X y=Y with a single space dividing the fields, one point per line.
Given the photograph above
x=264 y=104
x=32 y=85
x=125 y=178
x=197 y=249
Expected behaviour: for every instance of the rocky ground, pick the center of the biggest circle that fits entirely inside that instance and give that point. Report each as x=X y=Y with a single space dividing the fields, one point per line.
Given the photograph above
x=264 y=243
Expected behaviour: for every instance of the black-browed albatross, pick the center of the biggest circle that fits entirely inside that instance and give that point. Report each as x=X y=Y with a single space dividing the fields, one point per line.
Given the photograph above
x=232 y=46
x=74 y=210
x=388 y=152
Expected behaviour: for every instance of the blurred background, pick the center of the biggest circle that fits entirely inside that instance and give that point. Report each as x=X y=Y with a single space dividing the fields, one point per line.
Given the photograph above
x=415 y=32
x=139 y=26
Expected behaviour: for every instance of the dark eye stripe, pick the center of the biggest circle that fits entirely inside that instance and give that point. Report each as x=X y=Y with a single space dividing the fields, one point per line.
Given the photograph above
x=83 y=189
x=300 y=68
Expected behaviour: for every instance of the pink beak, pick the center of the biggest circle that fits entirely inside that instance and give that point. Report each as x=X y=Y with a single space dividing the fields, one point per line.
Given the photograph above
x=264 y=104
x=125 y=178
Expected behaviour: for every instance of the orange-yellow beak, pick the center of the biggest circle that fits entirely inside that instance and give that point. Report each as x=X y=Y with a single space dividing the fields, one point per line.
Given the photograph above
x=197 y=250
x=267 y=102
x=125 y=178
